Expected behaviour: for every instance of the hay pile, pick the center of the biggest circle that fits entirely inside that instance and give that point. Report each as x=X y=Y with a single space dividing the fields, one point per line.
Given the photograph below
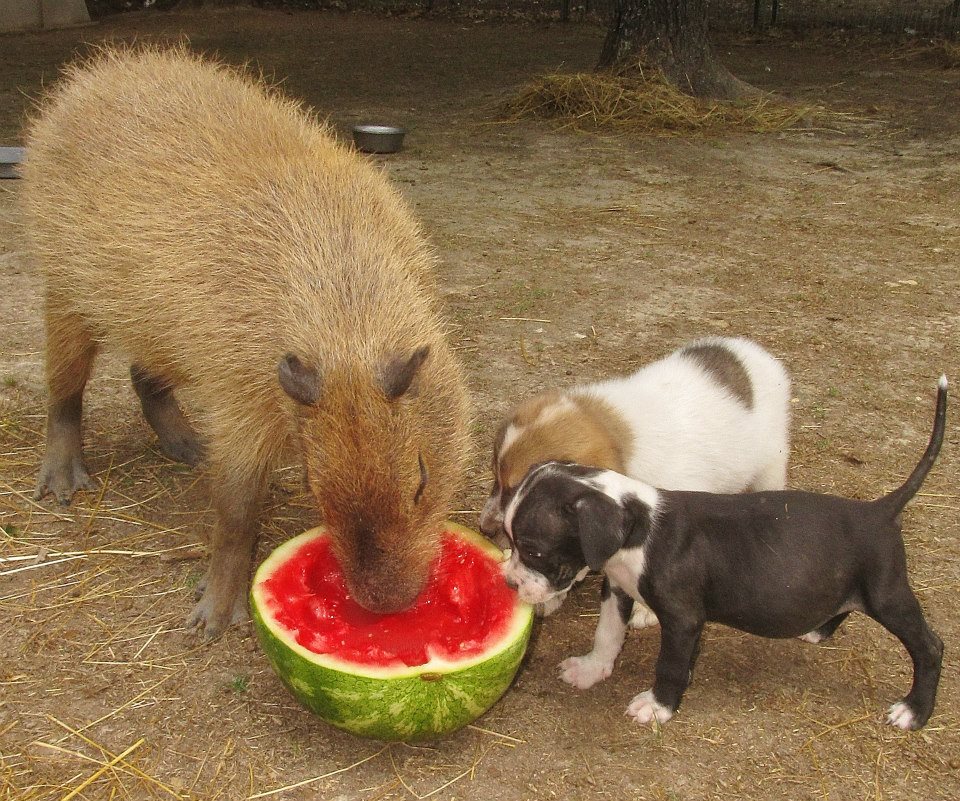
x=644 y=104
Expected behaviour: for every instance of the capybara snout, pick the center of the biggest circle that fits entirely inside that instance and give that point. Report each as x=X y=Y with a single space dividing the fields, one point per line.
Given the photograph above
x=219 y=236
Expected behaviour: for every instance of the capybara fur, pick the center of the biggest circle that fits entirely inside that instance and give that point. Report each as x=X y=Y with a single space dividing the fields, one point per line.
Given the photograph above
x=219 y=236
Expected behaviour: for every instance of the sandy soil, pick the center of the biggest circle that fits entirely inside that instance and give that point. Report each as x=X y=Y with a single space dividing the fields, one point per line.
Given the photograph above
x=565 y=257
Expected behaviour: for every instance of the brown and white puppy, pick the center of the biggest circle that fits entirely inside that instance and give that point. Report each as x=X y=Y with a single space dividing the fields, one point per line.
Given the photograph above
x=713 y=416
x=775 y=564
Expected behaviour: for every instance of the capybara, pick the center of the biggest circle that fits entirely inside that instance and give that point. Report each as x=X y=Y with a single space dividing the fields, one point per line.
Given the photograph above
x=220 y=237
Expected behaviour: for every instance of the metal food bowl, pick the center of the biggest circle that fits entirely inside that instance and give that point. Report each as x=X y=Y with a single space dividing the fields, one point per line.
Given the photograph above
x=378 y=138
x=10 y=158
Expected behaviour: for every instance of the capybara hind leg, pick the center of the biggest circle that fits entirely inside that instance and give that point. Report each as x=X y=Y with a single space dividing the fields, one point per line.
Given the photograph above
x=178 y=440
x=237 y=500
x=70 y=353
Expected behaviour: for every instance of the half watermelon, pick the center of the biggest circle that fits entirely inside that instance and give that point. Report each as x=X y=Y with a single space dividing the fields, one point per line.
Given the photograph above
x=413 y=675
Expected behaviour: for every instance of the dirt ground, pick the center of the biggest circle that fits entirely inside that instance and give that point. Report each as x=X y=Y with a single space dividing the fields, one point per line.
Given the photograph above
x=565 y=257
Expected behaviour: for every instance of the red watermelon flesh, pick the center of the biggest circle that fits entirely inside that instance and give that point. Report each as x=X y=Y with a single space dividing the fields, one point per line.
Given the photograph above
x=465 y=607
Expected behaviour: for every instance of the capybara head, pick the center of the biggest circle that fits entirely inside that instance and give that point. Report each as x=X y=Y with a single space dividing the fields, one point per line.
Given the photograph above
x=383 y=449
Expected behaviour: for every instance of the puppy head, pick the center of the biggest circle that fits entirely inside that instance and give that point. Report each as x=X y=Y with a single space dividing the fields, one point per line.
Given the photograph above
x=553 y=426
x=566 y=519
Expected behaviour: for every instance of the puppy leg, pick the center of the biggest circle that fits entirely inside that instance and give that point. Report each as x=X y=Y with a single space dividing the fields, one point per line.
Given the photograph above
x=585 y=671
x=825 y=631
x=679 y=648
x=900 y=614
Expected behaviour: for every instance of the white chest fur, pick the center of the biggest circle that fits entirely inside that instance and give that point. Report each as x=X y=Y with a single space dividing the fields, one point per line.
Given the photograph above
x=624 y=570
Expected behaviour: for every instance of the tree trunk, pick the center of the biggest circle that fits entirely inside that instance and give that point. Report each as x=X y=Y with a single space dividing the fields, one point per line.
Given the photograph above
x=670 y=36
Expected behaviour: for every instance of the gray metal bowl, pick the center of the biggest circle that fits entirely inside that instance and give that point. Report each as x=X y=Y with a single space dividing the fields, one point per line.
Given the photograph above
x=378 y=138
x=10 y=157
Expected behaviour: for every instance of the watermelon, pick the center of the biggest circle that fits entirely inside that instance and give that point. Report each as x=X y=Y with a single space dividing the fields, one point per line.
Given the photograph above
x=411 y=675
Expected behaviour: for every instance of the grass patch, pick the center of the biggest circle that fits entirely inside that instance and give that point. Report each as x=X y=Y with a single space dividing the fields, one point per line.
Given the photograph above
x=645 y=104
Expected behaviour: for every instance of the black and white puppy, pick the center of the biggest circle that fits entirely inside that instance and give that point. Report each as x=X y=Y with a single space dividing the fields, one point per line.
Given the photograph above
x=775 y=563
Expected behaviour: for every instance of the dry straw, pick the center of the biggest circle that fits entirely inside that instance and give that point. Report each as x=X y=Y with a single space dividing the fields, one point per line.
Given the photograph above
x=645 y=104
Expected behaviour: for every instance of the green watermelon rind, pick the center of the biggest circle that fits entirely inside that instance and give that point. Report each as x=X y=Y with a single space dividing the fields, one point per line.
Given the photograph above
x=420 y=703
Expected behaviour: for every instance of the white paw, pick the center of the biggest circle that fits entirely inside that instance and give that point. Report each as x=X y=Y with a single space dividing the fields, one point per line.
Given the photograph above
x=812 y=637
x=583 y=672
x=642 y=617
x=645 y=709
x=547 y=608
x=901 y=716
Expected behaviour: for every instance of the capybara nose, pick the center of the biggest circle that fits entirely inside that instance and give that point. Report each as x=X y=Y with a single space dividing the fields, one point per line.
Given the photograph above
x=384 y=598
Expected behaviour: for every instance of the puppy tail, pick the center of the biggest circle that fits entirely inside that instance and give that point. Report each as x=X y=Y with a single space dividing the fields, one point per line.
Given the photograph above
x=899 y=498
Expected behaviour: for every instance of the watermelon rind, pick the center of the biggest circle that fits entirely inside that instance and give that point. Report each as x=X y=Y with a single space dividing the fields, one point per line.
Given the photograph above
x=406 y=703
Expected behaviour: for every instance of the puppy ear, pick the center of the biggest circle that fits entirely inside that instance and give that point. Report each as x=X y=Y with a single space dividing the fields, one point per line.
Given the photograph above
x=601 y=535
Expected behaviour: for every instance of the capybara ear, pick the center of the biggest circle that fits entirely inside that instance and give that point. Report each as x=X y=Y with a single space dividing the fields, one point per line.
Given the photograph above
x=300 y=382
x=399 y=372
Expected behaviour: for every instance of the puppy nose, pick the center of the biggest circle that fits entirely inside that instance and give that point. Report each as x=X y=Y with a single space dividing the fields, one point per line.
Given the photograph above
x=511 y=583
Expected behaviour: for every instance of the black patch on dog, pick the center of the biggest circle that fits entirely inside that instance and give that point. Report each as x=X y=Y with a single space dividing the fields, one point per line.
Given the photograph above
x=725 y=368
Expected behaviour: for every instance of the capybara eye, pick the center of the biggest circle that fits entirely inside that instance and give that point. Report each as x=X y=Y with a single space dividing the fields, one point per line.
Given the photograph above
x=424 y=477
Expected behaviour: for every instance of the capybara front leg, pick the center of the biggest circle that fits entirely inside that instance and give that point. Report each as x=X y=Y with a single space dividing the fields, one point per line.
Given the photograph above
x=69 y=361
x=223 y=598
x=178 y=440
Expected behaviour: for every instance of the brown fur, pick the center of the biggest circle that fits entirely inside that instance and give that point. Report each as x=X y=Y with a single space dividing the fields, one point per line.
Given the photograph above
x=207 y=227
x=725 y=368
x=589 y=432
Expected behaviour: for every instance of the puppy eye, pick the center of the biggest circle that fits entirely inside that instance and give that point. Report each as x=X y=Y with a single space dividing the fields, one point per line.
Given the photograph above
x=529 y=552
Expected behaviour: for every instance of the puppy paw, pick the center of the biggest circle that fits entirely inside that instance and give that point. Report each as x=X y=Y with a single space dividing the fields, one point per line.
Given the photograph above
x=583 y=672
x=645 y=709
x=547 y=608
x=902 y=716
x=814 y=637
x=642 y=617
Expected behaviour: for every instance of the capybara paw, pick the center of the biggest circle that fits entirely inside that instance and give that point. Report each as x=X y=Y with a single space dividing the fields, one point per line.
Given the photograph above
x=63 y=480
x=642 y=617
x=210 y=617
x=187 y=449
x=903 y=717
x=645 y=709
x=583 y=672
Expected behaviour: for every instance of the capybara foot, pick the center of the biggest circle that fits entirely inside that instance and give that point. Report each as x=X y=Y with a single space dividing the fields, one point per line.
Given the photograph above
x=62 y=479
x=178 y=440
x=183 y=447
x=216 y=611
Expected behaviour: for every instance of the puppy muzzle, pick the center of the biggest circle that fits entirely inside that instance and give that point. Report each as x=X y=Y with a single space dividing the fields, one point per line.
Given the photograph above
x=532 y=587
